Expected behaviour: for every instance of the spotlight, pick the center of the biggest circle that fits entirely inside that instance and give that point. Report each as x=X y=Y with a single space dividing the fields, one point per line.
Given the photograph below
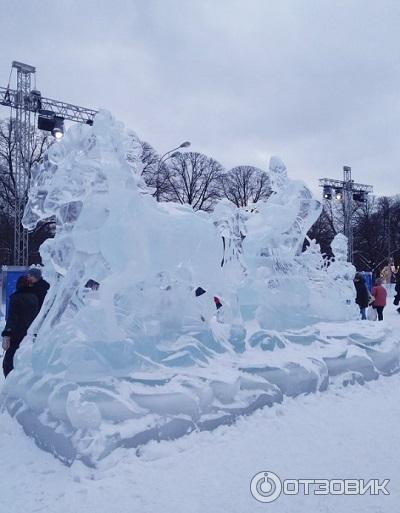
x=57 y=133
x=360 y=196
x=49 y=122
x=58 y=129
x=327 y=192
x=339 y=194
x=46 y=120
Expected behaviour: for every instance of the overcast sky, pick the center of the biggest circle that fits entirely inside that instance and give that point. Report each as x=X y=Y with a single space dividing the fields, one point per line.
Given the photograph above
x=315 y=82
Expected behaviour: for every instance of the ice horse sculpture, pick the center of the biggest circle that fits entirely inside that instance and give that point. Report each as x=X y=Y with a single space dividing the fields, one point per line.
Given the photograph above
x=146 y=356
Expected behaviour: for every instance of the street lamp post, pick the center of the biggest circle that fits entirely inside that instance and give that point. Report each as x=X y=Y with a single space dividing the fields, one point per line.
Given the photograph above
x=348 y=192
x=167 y=155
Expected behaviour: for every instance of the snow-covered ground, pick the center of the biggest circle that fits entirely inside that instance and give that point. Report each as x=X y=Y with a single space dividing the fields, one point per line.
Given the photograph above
x=351 y=433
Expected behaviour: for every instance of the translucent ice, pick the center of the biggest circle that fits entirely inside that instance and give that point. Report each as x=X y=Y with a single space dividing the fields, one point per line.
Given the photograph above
x=145 y=354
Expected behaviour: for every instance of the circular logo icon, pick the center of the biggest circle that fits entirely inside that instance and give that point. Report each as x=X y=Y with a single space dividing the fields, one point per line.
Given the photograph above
x=266 y=486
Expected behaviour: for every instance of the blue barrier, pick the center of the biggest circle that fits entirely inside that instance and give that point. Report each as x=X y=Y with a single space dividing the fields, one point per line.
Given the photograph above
x=10 y=275
x=367 y=275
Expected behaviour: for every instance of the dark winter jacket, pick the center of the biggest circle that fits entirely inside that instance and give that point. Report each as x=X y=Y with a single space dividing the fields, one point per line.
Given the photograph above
x=40 y=289
x=362 y=297
x=23 y=308
x=397 y=287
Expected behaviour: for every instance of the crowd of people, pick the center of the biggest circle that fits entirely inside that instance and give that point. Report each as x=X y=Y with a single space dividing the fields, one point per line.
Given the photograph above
x=24 y=305
x=372 y=303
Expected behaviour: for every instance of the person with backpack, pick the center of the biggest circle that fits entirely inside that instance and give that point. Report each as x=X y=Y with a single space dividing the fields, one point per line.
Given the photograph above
x=362 y=294
x=22 y=310
x=380 y=294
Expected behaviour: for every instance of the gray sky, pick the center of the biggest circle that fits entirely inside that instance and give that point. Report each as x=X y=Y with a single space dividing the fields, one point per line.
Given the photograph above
x=313 y=81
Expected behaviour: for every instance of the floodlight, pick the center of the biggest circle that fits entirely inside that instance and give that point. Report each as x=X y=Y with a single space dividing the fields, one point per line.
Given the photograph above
x=327 y=192
x=58 y=129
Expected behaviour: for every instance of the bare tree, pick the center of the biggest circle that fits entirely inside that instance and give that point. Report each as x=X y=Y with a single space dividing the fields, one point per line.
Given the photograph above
x=150 y=159
x=331 y=222
x=155 y=172
x=8 y=185
x=39 y=145
x=323 y=231
x=7 y=159
x=377 y=233
x=194 y=179
x=6 y=237
x=245 y=184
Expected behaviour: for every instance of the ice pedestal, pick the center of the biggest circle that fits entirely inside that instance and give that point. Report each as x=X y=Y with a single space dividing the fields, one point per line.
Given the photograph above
x=87 y=419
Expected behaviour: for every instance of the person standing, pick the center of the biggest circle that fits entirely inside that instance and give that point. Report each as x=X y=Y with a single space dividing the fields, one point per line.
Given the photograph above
x=380 y=295
x=38 y=285
x=397 y=289
x=362 y=294
x=22 y=310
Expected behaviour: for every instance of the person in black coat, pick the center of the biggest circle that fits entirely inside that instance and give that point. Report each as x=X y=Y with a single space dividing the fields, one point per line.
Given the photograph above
x=22 y=310
x=39 y=286
x=397 y=289
x=362 y=294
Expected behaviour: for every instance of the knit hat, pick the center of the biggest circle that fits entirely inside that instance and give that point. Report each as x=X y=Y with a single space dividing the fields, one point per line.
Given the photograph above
x=35 y=272
x=22 y=283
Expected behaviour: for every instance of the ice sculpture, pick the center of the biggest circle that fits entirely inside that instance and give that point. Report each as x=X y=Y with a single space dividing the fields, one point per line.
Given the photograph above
x=146 y=355
x=281 y=291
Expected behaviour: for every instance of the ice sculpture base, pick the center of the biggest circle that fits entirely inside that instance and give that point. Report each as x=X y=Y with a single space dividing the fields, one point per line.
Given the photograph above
x=276 y=364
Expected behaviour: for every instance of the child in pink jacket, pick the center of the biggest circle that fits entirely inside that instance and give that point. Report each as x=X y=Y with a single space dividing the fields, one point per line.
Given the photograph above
x=380 y=294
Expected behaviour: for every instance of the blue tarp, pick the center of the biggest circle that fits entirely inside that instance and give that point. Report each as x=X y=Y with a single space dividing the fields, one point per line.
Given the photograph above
x=10 y=277
x=368 y=279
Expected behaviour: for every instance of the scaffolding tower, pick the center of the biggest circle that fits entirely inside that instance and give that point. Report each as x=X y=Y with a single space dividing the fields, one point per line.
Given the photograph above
x=348 y=192
x=23 y=102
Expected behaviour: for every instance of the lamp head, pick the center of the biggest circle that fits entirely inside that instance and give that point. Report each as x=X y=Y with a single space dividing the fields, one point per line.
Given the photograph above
x=327 y=193
x=57 y=133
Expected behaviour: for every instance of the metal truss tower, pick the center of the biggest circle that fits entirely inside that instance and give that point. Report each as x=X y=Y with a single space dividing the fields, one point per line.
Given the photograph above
x=348 y=210
x=25 y=101
x=348 y=192
x=22 y=134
